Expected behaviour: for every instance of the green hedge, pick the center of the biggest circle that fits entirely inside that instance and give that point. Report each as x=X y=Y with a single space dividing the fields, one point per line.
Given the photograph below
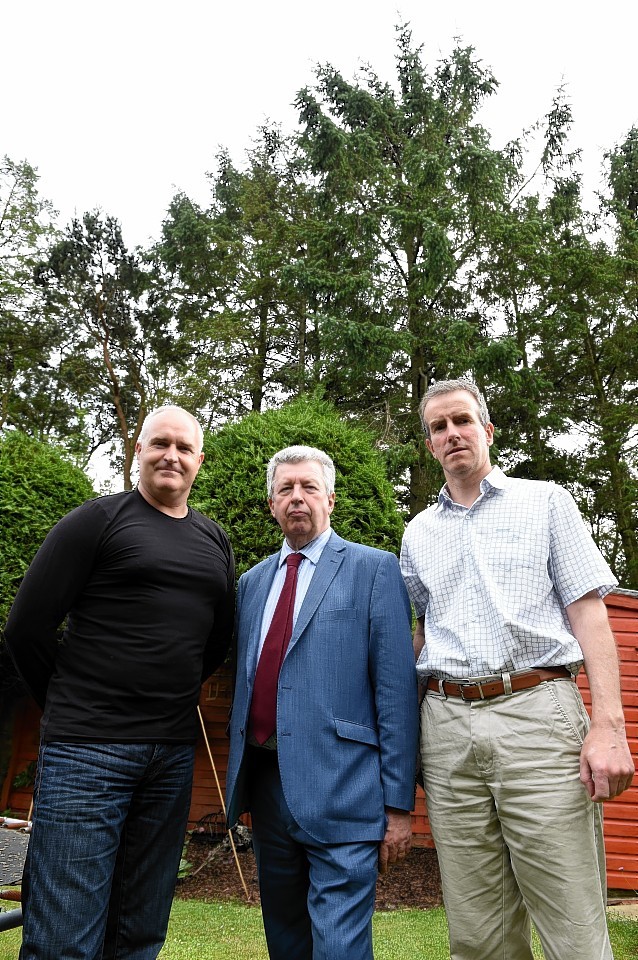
x=37 y=487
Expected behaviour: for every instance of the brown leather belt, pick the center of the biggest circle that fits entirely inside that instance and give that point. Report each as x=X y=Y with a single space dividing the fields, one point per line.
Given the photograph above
x=506 y=683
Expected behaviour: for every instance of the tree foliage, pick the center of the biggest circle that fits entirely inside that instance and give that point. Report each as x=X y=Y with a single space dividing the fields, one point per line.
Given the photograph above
x=27 y=340
x=116 y=352
x=412 y=188
x=223 y=273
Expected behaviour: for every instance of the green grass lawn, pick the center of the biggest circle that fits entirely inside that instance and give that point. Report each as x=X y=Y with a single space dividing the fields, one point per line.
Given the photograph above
x=232 y=931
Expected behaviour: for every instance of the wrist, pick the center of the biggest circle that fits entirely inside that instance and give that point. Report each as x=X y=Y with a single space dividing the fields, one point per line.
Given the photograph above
x=614 y=722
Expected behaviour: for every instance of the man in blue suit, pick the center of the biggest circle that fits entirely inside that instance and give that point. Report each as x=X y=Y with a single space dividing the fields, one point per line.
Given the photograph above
x=331 y=785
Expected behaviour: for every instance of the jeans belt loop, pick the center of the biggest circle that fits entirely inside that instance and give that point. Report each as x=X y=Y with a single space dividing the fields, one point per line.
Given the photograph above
x=442 y=692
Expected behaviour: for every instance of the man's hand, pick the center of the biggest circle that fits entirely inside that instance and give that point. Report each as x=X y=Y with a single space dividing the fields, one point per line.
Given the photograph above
x=606 y=764
x=398 y=838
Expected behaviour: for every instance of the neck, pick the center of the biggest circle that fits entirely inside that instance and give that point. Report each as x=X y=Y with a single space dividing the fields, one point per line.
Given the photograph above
x=296 y=545
x=466 y=490
x=178 y=510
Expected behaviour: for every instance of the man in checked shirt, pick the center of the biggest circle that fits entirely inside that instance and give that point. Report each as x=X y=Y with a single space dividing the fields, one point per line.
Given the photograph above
x=507 y=586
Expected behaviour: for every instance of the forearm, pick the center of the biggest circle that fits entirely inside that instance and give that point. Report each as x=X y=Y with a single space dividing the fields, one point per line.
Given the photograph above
x=219 y=641
x=590 y=625
x=217 y=647
x=393 y=677
x=34 y=663
x=606 y=767
x=56 y=575
x=32 y=636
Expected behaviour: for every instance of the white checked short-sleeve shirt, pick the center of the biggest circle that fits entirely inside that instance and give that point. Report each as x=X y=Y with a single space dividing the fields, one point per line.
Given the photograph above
x=493 y=580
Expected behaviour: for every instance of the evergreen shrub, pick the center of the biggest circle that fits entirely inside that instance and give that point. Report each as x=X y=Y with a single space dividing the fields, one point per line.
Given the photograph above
x=37 y=488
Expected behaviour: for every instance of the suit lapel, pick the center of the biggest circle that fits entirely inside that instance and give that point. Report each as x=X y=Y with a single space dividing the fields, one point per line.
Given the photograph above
x=327 y=568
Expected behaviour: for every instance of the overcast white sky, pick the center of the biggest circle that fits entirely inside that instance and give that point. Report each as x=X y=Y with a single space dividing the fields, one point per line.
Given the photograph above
x=120 y=104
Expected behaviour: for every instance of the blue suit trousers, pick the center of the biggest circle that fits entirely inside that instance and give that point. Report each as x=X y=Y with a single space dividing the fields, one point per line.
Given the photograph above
x=317 y=898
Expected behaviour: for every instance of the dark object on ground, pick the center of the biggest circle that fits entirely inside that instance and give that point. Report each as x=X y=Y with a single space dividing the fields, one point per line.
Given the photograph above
x=415 y=883
x=10 y=919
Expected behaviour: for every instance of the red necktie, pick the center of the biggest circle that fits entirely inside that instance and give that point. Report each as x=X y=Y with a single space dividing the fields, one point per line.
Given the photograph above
x=263 y=708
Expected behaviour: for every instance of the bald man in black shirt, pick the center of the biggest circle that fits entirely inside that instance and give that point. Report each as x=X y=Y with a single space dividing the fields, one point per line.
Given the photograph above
x=147 y=588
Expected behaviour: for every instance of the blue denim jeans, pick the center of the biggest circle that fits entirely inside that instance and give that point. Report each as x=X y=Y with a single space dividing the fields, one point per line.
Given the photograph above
x=109 y=823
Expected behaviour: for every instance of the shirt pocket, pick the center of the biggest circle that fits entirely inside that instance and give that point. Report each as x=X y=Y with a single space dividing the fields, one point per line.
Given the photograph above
x=508 y=551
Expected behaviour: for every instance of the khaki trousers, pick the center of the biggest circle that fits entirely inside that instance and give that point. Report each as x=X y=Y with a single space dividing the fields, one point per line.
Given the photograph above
x=516 y=833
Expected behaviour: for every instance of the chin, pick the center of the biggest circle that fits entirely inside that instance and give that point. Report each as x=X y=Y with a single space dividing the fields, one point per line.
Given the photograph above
x=300 y=536
x=168 y=487
x=298 y=532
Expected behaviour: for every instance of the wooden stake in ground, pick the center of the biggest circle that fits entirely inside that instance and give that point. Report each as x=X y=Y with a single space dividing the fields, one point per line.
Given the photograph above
x=221 y=797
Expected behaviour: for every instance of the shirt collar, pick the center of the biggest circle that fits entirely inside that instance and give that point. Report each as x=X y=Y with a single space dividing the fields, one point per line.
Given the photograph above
x=495 y=480
x=312 y=551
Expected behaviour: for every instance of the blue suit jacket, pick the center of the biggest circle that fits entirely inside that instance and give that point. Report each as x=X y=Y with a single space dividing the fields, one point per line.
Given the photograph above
x=347 y=714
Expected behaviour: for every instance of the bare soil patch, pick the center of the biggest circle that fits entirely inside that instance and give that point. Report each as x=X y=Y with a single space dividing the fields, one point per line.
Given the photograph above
x=415 y=883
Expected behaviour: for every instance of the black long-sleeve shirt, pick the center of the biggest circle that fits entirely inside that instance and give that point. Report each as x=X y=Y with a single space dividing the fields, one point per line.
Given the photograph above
x=149 y=602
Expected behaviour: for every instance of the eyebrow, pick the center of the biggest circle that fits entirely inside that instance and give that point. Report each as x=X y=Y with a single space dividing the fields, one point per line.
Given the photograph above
x=161 y=438
x=452 y=413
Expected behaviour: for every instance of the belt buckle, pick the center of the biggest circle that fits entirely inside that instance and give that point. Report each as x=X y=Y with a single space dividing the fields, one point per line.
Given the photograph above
x=504 y=678
x=471 y=683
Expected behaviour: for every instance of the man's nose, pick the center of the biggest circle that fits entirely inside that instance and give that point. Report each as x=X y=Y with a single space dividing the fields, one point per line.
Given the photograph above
x=297 y=493
x=171 y=453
